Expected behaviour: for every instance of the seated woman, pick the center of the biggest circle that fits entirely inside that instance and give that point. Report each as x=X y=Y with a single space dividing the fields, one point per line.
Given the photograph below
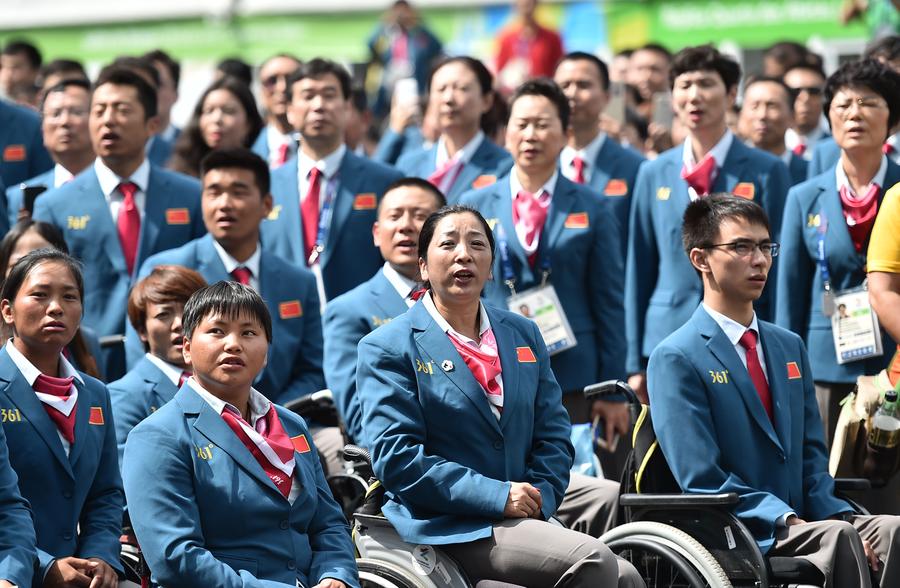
x=24 y=237
x=154 y=309
x=466 y=425
x=59 y=430
x=225 y=488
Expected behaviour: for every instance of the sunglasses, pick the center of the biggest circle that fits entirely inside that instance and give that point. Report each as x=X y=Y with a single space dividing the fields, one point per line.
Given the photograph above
x=811 y=90
x=271 y=81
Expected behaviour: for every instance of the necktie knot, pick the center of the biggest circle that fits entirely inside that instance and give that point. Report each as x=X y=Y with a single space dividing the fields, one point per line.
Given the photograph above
x=888 y=149
x=748 y=340
x=128 y=224
x=283 y=150
x=314 y=175
x=578 y=164
x=242 y=275
x=56 y=386
x=700 y=176
x=128 y=190
x=185 y=374
x=799 y=149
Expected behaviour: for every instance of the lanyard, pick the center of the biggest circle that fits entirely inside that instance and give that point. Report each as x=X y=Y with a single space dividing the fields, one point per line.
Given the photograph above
x=324 y=221
x=823 y=260
x=509 y=275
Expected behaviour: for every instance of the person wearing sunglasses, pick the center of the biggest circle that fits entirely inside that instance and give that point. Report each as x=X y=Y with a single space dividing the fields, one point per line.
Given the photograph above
x=826 y=227
x=806 y=82
x=276 y=143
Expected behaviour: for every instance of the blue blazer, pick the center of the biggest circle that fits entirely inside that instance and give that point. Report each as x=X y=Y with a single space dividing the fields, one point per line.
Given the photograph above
x=80 y=210
x=15 y=197
x=444 y=459
x=799 y=168
x=811 y=207
x=618 y=165
x=294 y=368
x=662 y=288
x=261 y=146
x=586 y=271
x=137 y=395
x=160 y=150
x=349 y=258
x=393 y=145
x=716 y=436
x=349 y=318
x=77 y=500
x=22 y=152
x=488 y=163
x=17 y=541
x=826 y=153
x=206 y=513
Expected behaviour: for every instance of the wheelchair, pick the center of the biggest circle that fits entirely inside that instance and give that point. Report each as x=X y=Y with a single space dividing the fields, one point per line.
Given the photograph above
x=651 y=497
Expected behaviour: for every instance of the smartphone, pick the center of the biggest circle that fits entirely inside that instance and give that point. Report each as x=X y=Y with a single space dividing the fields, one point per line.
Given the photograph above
x=662 y=109
x=406 y=92
x=30 y=194
x=615 y=109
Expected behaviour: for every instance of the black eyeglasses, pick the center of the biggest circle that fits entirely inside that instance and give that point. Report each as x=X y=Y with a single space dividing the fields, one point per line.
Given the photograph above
x=811 y=90
x=745 y=248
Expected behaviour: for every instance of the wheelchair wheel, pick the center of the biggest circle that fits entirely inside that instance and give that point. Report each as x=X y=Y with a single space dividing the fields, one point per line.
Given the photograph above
x=381 y=574
x=666 y=556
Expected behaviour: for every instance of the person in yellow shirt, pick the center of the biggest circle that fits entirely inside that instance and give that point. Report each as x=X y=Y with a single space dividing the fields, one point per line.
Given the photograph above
x=883 y=267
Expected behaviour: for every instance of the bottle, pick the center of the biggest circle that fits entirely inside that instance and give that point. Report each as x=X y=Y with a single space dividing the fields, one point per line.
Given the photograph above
x=885 y=429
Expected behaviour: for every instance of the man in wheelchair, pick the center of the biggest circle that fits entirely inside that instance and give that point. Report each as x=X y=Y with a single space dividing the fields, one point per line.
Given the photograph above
x=734 y=408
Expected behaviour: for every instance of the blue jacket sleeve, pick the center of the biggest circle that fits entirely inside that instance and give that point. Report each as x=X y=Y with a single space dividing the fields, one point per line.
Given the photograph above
x=307 y=375
x=128 y=410
x=605 y=273
x=395 y=430
x=343 y=330
x=795 y=280
x=641 y=270
x=17 y=539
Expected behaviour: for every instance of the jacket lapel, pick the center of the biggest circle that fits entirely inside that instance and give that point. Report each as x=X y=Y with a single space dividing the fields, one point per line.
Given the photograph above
x=81 y=423
x=95 y=206
x=285 y=184
x=561 y=204
x=348 y=179
x=155 y=203
x=472 y=169
x=503 y=206
x=732 y=168
x=210 y=264
x=776 y=363
x=509 y=362
x=837 y=236
x=607 y=159
x=385 y=296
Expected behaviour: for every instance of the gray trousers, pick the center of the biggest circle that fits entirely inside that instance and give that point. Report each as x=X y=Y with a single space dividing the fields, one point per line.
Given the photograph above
x=329 y=441
x=529 y=552
x=836 y=548
x=828 y=397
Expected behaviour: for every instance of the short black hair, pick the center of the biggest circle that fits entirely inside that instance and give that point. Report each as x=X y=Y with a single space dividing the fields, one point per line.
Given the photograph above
x=625 y=53
x=548 y=89
x=237 y=68
x=125 y=76
x=228 y=299
x=705 y=58
x=64 y=66
x=602 y=69
x=704 y=217
x=61 y=87
x=431 y=223
x=788 y=93
x=656 y=48
x=319 y=67
x=240 y=158
x=871 y=74
x=414 y=182
x=28 y=262
x=160 y=56
x=482 y=73
x=23 y=47
x=141 y=65
x=886 y=48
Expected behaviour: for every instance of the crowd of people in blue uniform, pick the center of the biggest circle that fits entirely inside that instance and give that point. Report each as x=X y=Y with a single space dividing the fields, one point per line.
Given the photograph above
x=456 y=287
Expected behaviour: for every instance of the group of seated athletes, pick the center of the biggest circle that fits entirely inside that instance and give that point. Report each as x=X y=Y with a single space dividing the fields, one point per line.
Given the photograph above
x=457 y=398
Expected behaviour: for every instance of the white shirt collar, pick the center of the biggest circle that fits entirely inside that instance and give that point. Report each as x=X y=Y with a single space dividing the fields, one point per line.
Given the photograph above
x=445 y=326
x=588 y=154
x=719 y=151
x=259 y=405
x=329 y=165
x=401 y=283
x=232 y=264
x=464 y=155
x=109 y=181
x=733 y=329
x=894 y=141
x=842 y=180
x=275 y=139
x=172 y=372
x=61 y=175
x=31 y=373
x=515 y=186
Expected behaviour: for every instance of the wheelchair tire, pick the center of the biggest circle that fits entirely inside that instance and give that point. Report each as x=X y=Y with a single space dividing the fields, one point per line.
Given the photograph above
x=380 y=574
x=634 y=536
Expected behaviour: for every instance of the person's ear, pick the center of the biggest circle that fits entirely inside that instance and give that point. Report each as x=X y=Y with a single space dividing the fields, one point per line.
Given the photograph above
x=423 y=269
x=186 y=351
x=699 y=259
x=6 y=309
x=142 y=333
x=375 y=234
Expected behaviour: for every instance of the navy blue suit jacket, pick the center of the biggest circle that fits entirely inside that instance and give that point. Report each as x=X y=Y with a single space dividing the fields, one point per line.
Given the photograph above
x=160 y=150
x=350 y=257
x=22 y=152
x=813 y=207
x=77 y=499
x=17 y=541
x=443 y=457
x=716 y=435
x=799 y=169
x=488 y=163
x=294 y=368
x=662 y=288
x=349 y=318
x=581 y=241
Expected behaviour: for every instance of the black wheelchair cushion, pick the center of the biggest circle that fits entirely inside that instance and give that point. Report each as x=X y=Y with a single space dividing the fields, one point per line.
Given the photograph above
x=793 y=570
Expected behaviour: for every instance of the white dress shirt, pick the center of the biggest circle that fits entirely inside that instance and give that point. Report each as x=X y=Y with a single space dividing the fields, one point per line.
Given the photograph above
x=172 y=372
x=328 y=165
x=719 y=152
x=232 y=264
x=588 y=154
x=464 y=155
x=109 y=183
x=734 y=331
x=403 y=285
x=61 y=175
x=274 y=140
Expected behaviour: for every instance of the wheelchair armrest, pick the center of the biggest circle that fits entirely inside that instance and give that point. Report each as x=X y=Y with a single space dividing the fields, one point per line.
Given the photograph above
x=679 y=500
x=852 y=484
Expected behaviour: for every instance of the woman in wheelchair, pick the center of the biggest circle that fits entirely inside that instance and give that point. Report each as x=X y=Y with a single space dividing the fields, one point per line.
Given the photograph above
x=225 y=488
x=467 y=430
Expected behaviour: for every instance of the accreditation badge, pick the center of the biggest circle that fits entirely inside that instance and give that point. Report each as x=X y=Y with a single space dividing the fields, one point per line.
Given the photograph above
x=854 y=326
x=541 y=304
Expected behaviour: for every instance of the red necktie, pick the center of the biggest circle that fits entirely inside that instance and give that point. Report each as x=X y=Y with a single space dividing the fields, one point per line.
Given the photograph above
x=184 y=377
x=273 y=435
x=242 y=274
x=443 y=178
x=309 y=210
x=748 y=342
x=283 y=151
x=528 y=212
x=887 y=149
x=129 y=224
x=799 y=149
x=579 y=170
x=61 y=387
x=485 y=366
x=417 y=293
x=700 y=177
x=860 y=213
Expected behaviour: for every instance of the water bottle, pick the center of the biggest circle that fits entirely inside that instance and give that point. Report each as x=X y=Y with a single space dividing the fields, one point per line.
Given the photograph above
x=883 y=442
